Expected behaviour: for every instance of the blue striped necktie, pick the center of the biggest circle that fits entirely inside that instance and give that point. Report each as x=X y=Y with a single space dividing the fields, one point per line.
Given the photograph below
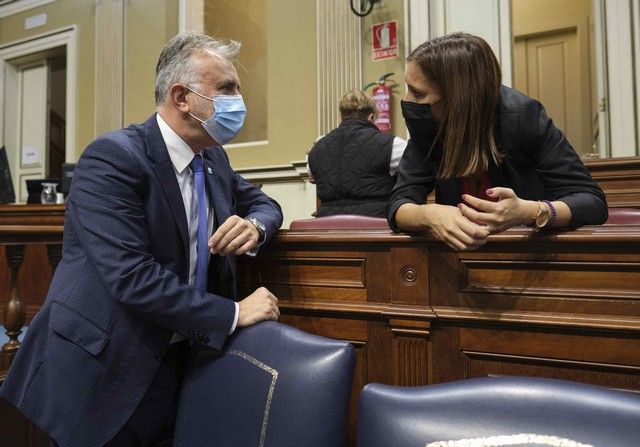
x=202 y=248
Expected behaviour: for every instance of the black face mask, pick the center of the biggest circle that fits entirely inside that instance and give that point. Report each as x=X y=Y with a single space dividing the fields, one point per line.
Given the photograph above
x=419 y=119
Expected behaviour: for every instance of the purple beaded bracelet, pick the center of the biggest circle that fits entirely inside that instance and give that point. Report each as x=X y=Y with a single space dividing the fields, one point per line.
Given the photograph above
x=554 y=213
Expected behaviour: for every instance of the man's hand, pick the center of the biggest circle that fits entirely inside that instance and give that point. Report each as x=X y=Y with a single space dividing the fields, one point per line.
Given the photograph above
x=235 y=236
x=260 y=305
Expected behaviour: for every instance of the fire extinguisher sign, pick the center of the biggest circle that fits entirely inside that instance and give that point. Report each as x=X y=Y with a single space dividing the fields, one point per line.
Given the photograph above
x=385 y=40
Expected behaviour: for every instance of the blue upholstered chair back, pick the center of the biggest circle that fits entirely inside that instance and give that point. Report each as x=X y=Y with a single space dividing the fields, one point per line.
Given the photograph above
x=271 y=386
x=489 y=407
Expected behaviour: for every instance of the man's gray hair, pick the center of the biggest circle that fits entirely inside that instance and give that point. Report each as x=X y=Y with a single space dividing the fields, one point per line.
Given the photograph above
x=176 y=64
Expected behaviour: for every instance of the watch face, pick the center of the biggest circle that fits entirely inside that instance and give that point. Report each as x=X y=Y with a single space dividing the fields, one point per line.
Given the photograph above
x=542 y=219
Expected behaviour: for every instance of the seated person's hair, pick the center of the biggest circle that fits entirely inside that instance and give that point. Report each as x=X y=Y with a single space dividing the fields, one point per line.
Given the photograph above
x=357 y=104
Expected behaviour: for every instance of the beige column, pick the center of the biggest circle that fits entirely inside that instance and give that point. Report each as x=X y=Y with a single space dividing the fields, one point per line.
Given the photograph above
x=339 y=58
x=191 y=15
x=109 y=60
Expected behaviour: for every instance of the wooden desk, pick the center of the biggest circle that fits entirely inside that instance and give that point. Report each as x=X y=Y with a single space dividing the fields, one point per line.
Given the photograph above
x=563 y=304
x=30 y=238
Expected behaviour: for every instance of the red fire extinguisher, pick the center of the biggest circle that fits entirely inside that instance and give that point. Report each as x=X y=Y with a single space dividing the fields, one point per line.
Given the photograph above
x=382 y=98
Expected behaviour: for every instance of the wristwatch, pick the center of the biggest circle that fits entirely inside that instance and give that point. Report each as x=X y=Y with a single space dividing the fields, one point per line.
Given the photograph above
x=542 y=217
x=262 y=231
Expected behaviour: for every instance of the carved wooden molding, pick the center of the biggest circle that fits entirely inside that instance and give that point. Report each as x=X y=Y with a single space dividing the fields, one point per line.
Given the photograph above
x=409 y=275
x=551 y=361
x=624 y=234
x=413 y=361
x=411 y=328
x=617 y=280
x=32 y=214
x=14 y=311
x=612 y=322
x=18 y=234
x=361 y=310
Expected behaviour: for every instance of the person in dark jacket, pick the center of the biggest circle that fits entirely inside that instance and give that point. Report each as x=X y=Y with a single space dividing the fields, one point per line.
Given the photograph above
x=155 y=218
x=354 y=166
x=494 y=157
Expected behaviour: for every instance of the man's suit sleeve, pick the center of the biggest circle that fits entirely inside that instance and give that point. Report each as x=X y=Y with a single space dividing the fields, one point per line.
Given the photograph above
x=106 y=207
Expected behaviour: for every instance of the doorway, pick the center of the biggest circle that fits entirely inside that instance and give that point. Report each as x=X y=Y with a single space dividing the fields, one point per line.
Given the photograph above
x=37 y=99
x=554 y=62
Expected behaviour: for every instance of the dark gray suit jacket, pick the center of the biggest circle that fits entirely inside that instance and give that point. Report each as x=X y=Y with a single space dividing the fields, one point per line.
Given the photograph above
x=120 y=290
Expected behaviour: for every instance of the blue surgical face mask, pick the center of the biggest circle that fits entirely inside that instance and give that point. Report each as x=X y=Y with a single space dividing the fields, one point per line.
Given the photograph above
x=227 y=119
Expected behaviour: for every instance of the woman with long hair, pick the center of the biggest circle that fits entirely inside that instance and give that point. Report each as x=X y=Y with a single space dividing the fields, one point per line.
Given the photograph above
x=494 y=157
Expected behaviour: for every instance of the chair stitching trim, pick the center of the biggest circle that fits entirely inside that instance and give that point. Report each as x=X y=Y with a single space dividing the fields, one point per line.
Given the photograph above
x=274 y=379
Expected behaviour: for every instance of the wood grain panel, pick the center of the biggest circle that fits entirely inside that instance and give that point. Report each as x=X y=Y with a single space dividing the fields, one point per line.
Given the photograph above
x=317 y=272
x=557 y=304
x=570 y=345
x=481 y=364
x=412 y=361
x=619 y=178
x=33 y=280
x=17 y=431
x=29 y=215
x=559 y=279
x=312 y=277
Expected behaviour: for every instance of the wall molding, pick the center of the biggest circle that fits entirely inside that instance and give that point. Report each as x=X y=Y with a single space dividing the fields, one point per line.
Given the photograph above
x=294 y=171
x=21 y=6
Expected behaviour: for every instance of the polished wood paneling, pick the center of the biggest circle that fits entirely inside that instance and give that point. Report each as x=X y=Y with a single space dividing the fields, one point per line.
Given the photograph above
x=33 y=279
x=619 y=178
x=28 y=215
x=30 y=239
x=562 y=304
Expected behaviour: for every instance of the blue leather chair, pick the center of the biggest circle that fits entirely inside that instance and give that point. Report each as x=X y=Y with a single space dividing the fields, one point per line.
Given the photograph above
x=529 y=410
x=271 y=386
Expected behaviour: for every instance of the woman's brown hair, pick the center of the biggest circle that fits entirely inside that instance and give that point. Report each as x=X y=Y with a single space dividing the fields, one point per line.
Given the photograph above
x=468 y=75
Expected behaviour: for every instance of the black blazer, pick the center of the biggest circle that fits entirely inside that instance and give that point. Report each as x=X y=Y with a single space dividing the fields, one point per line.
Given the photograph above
x=538 y=163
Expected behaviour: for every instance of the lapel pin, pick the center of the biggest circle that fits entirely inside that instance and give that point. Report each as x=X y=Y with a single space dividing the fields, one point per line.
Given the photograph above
x=209 y=170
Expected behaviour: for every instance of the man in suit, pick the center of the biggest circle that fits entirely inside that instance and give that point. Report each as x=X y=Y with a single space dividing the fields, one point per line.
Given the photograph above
x=139 y=280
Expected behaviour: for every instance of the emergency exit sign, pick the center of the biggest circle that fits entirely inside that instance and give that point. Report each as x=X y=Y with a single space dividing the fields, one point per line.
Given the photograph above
x=385 y=40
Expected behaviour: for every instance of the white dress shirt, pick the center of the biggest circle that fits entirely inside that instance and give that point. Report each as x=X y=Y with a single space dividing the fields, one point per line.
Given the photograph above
x=181 y=156
x=397 y=149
